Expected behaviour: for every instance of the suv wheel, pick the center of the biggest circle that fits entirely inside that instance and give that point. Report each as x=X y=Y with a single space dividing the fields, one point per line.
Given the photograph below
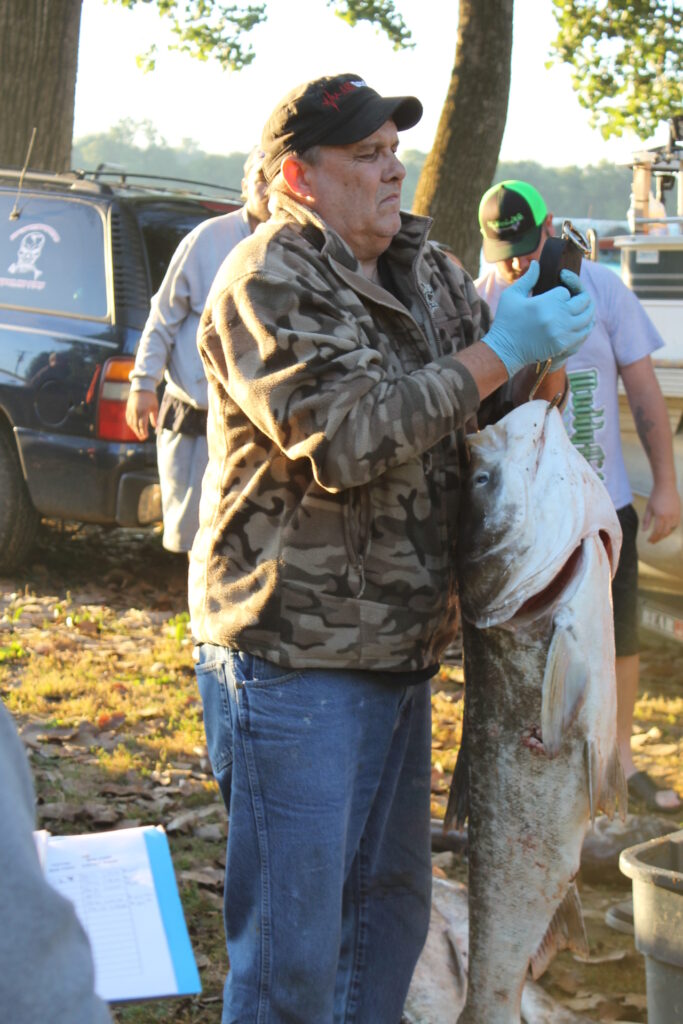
x=18 y=518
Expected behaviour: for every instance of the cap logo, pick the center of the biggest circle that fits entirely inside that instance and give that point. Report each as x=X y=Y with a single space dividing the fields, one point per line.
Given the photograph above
x=330 y=98
x=508 y=224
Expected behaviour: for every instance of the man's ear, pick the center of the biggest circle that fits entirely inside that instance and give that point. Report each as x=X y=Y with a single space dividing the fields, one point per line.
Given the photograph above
x=549 y=224
x=293 y=171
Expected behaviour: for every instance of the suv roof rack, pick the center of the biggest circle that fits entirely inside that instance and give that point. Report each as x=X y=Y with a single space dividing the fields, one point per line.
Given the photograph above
x=65 y=179
x=119 y=177
x=106 y=180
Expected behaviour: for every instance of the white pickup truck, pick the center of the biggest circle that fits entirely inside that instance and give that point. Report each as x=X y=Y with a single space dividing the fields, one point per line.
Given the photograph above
x=652 y=266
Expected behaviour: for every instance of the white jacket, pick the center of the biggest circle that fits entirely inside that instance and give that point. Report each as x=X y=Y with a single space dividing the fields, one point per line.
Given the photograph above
x=168 y=345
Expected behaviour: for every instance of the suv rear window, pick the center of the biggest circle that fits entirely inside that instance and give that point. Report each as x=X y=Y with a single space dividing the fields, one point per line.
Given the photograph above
x=164 y=224
x=52 y=256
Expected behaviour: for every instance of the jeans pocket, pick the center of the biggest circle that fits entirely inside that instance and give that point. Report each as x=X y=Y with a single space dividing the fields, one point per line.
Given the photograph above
x=213 y=688
x=255 y=671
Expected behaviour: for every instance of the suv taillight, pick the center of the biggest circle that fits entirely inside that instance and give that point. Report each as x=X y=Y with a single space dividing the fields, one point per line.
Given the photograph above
x=114 y=387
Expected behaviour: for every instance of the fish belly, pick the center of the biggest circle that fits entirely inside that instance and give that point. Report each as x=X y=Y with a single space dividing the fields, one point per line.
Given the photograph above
x=528 y=812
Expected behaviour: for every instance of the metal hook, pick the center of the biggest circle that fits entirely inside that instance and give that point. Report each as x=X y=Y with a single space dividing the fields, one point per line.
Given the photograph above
x=541 y=373
x=574 y=235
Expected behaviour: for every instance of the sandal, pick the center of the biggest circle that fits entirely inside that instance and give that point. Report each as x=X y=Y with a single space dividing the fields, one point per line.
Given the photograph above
x=643 y=788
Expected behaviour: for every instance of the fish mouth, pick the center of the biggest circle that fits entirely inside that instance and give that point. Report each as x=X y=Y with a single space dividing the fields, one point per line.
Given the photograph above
x=569 y=573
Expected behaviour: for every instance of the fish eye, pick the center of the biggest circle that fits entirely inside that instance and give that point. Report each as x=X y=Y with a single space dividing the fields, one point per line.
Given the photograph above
x=481 y=478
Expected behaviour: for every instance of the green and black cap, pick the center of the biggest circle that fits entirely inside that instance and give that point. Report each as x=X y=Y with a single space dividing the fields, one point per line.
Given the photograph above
x=511 y=216
x=332 y=111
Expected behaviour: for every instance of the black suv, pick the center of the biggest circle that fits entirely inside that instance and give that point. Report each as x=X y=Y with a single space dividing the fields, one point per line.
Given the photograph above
x=81 y=255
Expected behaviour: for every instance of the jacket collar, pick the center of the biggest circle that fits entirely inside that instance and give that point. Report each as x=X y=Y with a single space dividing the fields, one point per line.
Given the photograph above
x=404 y=246
x=403 y=250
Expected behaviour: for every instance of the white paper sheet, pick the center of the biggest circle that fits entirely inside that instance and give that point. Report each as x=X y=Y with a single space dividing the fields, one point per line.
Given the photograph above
x=108 y=878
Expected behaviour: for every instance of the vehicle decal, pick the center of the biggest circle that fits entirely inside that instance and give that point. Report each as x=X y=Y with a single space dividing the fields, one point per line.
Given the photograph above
x=32 y=238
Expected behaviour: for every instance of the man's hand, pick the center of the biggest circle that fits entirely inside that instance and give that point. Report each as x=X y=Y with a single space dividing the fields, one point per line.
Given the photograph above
x=529 y=329
x=141 y=410
x=663 y=512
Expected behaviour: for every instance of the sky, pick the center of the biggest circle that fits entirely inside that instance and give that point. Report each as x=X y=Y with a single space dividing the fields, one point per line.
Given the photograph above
x=223 y=111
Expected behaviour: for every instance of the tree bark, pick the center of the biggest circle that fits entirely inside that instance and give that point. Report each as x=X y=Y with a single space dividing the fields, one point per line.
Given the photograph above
x=38 y=61
x=455 y=176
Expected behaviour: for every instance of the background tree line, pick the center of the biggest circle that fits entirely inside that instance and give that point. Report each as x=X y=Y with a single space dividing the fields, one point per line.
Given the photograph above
x=626 y=59
x=601 y=191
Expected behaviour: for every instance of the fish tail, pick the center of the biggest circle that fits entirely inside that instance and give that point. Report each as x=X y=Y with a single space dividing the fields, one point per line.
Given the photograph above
x=566 y=930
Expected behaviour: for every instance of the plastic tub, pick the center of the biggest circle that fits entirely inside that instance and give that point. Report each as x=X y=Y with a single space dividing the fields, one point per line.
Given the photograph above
x=656 y=871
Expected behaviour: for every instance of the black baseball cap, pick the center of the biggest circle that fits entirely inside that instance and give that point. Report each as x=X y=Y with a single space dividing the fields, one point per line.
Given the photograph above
x=331 y=111
x=511 y=216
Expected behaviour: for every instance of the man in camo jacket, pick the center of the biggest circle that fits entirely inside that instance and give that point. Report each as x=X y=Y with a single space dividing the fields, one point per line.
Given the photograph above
x=345 y=354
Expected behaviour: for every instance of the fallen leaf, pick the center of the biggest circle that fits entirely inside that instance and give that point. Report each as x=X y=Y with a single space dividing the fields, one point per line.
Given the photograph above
x=566 y=980
x=210 y=833
x=58 y=812
x=585 y=1002
x=602 y=958
x=100 y=814
x=88 y=627
x=636 y=1000
x=182 y=822
x=209 y=878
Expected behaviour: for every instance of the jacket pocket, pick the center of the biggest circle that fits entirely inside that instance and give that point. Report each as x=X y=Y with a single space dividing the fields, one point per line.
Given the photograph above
x=356 y=519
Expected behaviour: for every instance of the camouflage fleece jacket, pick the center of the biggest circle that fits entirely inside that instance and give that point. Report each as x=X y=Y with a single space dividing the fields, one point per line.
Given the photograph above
x=329 y=506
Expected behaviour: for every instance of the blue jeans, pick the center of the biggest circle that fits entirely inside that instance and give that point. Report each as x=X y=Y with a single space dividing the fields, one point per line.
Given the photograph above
x=326 y=777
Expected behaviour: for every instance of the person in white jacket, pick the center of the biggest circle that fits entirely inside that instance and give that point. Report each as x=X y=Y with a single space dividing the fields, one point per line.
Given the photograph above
x=168 y=349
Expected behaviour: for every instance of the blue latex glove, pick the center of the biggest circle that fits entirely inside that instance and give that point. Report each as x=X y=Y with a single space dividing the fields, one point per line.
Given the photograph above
x=573 y=283
x=529 y=329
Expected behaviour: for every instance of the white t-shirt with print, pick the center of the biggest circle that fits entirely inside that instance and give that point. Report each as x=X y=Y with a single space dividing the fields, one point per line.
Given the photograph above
x=622 y=335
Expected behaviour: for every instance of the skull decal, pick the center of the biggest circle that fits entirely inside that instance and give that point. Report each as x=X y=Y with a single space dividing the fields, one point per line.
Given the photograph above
x=30 y=248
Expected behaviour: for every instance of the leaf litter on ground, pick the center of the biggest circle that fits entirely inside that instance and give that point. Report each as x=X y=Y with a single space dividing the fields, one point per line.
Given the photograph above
x=96 y=667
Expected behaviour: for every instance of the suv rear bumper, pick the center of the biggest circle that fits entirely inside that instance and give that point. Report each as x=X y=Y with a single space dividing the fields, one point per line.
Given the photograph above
x=90 y=481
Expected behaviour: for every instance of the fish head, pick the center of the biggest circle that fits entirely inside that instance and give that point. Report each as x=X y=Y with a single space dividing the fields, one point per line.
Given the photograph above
x=530 y=498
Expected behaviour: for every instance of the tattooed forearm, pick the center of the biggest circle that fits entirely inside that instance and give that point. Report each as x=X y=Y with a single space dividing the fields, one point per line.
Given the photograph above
x=644 y=426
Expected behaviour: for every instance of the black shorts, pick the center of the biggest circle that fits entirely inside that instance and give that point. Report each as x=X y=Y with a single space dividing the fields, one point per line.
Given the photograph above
x=625 y=587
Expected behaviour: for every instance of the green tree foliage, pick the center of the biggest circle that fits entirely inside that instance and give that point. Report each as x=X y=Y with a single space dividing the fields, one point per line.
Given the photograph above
x=39 y=55
x=627 y=57
x=208 y=29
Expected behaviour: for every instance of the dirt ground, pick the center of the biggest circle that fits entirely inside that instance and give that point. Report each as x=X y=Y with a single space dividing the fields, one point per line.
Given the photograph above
x=95 y=665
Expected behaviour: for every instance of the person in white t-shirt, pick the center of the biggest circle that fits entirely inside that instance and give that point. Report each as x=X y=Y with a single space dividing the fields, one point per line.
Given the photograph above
x=515 y=224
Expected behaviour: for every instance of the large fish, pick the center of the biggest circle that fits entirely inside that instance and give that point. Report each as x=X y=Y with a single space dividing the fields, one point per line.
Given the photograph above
x=538 y=543
x=439 y=983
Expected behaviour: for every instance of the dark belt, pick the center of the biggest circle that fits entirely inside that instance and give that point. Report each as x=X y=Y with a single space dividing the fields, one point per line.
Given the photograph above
x=180 y=417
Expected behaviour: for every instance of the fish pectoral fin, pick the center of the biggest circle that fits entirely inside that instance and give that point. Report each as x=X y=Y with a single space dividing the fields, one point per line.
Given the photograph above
x=458 y=807
x=566 y=931
x=564 y=687
x=606 y=793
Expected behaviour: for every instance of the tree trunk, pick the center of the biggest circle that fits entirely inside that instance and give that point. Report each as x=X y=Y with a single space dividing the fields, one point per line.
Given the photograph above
x=455 y=176
x=38 y=60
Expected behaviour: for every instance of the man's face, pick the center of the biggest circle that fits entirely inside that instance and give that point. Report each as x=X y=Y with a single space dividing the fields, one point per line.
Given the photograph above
x=511 y=270
x=254 y=191
x=356 y=189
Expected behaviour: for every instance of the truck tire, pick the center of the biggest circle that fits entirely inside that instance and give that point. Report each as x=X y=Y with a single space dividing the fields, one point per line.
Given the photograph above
x=18 y=518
